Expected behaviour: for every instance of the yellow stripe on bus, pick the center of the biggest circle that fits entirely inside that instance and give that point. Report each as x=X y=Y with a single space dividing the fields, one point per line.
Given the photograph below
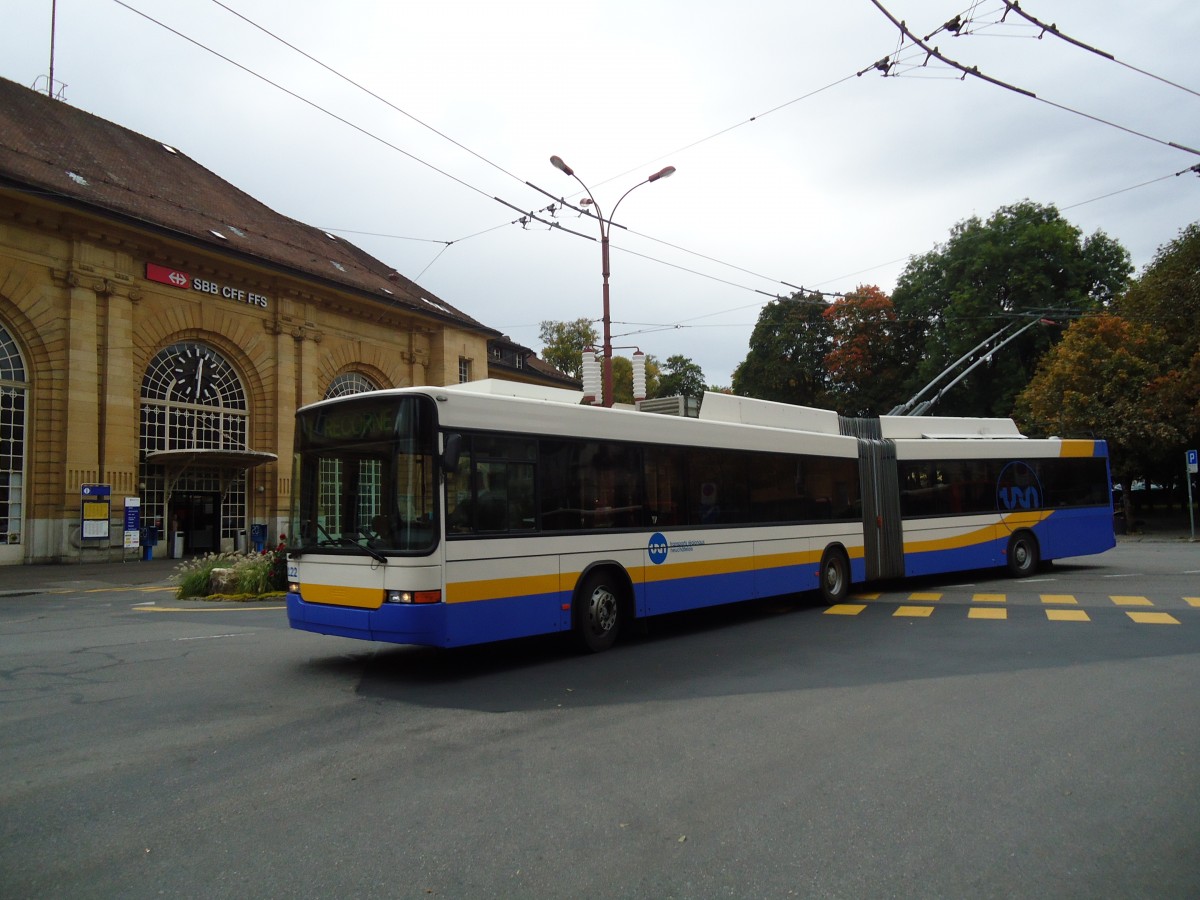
x=529 y=585
x=492 y=588
x=699 y=569
x=341 y=595
x=1077 y=448
x=1011 y=522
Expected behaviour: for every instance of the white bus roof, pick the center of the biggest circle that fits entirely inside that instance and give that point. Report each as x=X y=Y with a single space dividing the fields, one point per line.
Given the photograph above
x=716 y=409
x=748 y=411
x=898 y=427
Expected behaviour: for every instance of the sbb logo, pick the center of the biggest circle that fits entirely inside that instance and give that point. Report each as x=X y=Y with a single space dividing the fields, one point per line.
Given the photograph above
x=657 y=548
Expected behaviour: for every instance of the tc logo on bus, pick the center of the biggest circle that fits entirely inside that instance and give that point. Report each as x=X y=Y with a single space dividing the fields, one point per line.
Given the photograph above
x=1018 y=487
x=657 y=548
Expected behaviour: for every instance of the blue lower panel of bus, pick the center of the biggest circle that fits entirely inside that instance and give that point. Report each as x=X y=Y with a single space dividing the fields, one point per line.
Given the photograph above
x=983 y=555
x=1064 y=533
x=435 y=624
x=1077 y=532
x=680 y=594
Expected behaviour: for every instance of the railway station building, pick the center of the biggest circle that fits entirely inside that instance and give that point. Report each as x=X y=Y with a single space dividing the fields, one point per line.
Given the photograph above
x=158 y=329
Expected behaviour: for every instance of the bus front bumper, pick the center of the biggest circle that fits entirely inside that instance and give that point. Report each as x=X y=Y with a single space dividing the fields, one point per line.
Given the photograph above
x=396 y=623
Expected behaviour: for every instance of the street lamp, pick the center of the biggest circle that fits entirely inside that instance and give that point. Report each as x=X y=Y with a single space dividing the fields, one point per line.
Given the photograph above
x=557 y=162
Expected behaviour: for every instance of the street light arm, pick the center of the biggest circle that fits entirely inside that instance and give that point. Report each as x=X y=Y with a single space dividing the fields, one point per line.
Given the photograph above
x=665 y=172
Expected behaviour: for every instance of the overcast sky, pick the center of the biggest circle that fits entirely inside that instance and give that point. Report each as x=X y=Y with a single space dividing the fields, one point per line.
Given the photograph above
x=791 y=170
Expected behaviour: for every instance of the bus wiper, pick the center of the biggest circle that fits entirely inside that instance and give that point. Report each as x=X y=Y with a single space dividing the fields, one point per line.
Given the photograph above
x=316 y=546
x=350 y=542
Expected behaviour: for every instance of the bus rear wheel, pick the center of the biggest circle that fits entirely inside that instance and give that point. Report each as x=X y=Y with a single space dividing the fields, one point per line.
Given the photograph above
x=835 y=576
x=1022 y=554
x=598 y=611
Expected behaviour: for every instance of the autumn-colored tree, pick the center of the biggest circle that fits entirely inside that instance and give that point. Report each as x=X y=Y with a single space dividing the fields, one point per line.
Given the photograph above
x=1166 y=296
x=786 y=362
x=864 y=362
x=1105 y=379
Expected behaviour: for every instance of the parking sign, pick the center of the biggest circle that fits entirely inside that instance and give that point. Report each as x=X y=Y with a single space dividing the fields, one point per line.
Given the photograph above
x=1191 y=462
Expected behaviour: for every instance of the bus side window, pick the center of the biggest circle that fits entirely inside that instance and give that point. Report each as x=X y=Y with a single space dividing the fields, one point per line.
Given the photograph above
x=520 y=513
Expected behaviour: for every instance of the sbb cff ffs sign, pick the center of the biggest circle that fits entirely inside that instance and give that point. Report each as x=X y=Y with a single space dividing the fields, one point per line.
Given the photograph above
x=184 y=281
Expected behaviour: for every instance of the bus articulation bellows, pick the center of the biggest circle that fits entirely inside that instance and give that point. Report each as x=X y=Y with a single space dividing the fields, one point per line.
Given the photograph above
x=448 y=516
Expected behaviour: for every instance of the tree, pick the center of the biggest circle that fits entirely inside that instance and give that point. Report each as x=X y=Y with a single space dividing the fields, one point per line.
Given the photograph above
x=864 y=361
x=1104 y=380
x=1026 y=261
x=563 y=344
x=786 y=362
x=623 y=378
x=1167 y=297
x=1167 y=293
x=680 y=377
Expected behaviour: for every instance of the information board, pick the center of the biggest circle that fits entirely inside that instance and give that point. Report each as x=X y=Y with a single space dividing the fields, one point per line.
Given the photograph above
x=94 y=511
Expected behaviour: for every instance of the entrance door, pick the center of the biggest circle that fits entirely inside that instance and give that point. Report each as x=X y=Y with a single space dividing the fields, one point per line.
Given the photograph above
x=197 y=517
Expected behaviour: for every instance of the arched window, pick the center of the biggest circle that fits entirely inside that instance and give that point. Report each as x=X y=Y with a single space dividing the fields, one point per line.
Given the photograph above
x=192 y=399
x=350 y=383
x=14 y=396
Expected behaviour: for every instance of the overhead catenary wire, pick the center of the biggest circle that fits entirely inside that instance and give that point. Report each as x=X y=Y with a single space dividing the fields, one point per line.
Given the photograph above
x=1013 y=6
x=528 y=216
x=935 y=53
x=307 y=102
x=363 y=88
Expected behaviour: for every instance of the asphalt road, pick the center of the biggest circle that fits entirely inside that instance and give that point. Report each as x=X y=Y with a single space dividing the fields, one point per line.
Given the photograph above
x=922 y=745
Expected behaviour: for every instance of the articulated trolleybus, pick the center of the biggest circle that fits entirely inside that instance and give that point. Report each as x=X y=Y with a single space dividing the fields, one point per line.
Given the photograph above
x=457 y=515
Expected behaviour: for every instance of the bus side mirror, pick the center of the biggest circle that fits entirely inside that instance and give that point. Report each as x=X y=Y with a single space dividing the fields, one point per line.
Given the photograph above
x=451 y=453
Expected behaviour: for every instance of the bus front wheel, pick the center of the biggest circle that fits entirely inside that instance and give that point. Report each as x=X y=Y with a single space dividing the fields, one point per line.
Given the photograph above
x=1022 y=554
x=598 y=611
x=835 y=577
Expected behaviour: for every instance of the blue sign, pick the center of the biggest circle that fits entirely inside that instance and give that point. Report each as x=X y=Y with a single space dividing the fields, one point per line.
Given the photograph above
x=96 y=491
x=1191 y=461
x=657 y=548
x=133 y=515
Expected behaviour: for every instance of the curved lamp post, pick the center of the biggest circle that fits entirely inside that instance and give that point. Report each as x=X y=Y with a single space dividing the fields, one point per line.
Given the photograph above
x=557 y=162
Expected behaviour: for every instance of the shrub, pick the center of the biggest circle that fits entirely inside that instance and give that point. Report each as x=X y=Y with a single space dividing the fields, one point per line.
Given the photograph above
x=254 y=574
x=194 y=574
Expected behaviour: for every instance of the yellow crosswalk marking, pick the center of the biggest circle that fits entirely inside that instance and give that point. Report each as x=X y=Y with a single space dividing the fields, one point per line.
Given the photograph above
x=987 y=613
x=915 y=612
x=1131 y=601
x=990 y=598
x=924 y=595
x=1058 y=598
x=1067 y=615
x=845 y=609
x=1192 y=601
x=1153 y=618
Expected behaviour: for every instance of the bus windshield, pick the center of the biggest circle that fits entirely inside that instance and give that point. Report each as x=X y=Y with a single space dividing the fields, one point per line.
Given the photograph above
x=364 y=477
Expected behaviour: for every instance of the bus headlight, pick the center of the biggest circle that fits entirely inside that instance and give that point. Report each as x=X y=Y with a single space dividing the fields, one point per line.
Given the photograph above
x=413 y=596
x=293 y=587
